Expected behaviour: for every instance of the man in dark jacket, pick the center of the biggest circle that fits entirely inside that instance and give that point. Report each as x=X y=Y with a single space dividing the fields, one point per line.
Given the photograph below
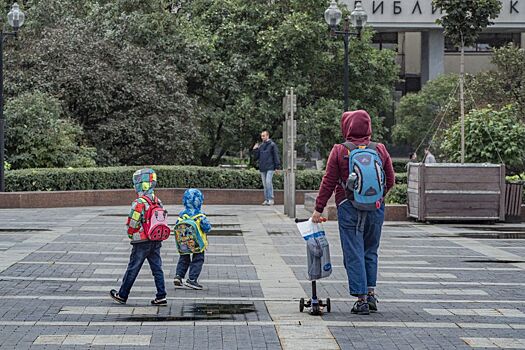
x=269 y=161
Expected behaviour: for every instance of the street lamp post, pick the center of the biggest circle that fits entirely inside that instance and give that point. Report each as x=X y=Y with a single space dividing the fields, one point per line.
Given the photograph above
x=358 y=17
x=16 y=19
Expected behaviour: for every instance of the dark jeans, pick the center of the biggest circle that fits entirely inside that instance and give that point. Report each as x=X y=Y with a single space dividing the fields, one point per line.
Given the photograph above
x=360 y=234
x=140 y=252
x=193 y=262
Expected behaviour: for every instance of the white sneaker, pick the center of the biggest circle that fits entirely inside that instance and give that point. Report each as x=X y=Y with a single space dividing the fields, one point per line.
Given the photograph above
x=264 y=203
x=271 y=202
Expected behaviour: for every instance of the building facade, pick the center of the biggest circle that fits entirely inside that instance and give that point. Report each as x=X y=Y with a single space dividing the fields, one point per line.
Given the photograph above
x=423 y=52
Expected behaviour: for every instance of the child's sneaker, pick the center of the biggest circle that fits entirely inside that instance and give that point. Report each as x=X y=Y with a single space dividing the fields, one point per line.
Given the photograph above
x=192 y=284
x=372 y=302
x=159 y=302
x=361 y=308
x=271 y=202
x=114 y=294
x=177 y=281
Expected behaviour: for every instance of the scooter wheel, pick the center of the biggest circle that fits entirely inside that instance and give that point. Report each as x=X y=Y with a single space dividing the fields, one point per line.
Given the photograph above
x=328 y=306
x=316 y=310
x=301 y=305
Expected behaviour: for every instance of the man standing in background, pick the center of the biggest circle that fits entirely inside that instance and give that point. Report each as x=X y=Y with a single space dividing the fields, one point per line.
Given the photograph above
x=269 y=161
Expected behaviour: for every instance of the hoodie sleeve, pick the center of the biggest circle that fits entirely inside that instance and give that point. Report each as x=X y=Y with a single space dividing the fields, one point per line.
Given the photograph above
x=387 y=167
x=205 y=224
x=135 y=216
x=330 y=181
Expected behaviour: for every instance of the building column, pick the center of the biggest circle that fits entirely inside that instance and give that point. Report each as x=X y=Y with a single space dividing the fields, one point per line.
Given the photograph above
x=432 y=54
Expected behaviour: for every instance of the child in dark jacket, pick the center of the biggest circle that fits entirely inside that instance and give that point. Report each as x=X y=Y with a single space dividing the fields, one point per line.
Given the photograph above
x=144 y=181
x=192 y=201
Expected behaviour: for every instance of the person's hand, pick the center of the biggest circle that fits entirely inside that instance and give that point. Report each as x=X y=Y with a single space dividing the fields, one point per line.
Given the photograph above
x=256 y=146
x=316 y=217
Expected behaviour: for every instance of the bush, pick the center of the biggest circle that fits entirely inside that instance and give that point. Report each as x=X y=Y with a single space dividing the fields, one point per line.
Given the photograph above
x=38 y=135
x=169 y=177
x=491 y=136
x=397 y=195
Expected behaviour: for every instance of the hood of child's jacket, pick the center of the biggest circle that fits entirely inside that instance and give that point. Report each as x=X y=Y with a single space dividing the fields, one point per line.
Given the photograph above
x=192 y=200
x=356 y=126
x=144 y=181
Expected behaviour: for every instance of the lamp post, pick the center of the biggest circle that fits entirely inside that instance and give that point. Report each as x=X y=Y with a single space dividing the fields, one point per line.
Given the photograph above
x=358 y=17
x=16 y=19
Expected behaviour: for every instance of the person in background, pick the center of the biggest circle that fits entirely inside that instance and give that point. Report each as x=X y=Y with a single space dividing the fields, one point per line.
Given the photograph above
x=269 y=162
x=429 y=157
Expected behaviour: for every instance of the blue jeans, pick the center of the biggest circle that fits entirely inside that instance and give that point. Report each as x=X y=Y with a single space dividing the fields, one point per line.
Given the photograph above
x=193 y=262
x=360 y=233
x=141 y=251
x=266 y=177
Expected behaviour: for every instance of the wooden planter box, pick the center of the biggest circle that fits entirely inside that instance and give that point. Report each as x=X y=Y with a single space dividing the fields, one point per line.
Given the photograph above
x=450 y=191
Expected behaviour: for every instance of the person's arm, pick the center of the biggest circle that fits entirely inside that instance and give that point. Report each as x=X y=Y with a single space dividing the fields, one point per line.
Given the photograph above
x=205 y=224
x=276 y=158
x=135 y=216
x=388 y=167
x=255 y=151
x=329 y=182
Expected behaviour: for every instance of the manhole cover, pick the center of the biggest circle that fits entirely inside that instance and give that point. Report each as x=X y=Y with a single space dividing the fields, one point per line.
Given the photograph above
x=493 y=235
x=199 y=311
x=212 y=309
x=495 y=261
x=225 y=232
x=16 y=230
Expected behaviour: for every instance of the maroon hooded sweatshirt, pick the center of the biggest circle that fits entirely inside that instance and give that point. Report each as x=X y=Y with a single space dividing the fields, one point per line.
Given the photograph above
x=357 y=128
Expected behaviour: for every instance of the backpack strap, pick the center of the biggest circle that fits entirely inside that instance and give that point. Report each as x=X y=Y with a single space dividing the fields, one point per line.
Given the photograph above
x=351 y=146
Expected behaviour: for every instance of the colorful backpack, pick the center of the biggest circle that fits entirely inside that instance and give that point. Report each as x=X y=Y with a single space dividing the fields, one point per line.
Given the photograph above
x=189 y=236
x=366 y=184
x=155 y=223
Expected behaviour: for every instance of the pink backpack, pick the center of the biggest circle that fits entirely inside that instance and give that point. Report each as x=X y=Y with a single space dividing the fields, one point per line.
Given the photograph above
x=156 y=221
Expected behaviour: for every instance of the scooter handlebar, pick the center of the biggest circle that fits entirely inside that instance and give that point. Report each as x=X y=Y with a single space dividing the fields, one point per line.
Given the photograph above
x=303 y=220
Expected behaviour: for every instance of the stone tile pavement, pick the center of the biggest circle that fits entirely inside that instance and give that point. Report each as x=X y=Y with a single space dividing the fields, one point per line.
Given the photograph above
x=437 y=290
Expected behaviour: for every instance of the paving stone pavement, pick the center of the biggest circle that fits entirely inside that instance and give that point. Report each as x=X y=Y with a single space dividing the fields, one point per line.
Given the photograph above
x=437 y=290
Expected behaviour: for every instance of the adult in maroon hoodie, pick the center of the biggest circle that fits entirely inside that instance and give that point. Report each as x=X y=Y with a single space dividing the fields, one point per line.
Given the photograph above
x=359 y=242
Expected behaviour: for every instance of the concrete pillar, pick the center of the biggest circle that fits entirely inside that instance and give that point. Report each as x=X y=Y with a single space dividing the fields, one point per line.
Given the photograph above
x=432 y=54
x=523 y=40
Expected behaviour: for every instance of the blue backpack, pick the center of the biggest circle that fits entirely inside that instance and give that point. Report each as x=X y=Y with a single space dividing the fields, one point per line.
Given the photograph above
x=365 y=186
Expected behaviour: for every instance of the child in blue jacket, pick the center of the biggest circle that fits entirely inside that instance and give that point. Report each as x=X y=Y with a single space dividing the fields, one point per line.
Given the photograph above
x=192 y=201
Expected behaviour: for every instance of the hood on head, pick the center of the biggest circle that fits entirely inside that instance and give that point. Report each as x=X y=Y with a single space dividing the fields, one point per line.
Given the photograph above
x=193 y=199
x=144 y=181
x=356 y=126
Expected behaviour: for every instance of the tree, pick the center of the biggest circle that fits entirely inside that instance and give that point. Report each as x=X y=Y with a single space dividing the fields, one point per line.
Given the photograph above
x=462 y=22
x=257 y=50
x=504 y=85
x=133 y=107
x=419 y=115
x=494 y=136
x=38 y=135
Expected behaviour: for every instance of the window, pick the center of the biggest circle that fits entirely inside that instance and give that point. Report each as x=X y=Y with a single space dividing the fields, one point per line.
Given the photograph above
x=487 y=42
x=383 y=41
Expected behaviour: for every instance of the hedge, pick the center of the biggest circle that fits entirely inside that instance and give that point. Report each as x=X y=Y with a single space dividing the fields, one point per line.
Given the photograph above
x=65 y=179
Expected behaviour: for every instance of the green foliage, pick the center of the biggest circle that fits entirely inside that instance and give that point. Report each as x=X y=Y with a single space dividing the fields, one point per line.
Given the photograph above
x=489 y=135
x=504 y=85
x=418 y=115
x=463 y=20
x=7 y=166
x=168 y=177
x=397 y=195
x=186 y=82
x=37 y=135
